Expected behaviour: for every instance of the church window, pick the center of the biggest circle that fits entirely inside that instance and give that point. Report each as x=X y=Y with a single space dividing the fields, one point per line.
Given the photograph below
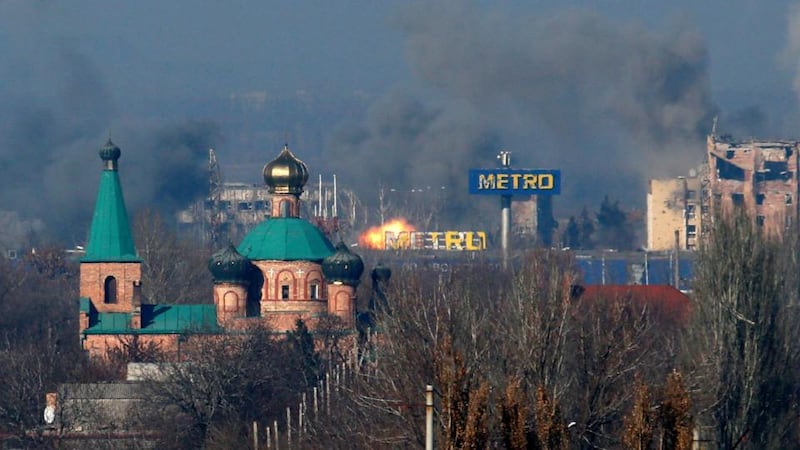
x=110 y=290
x=284 y=209
x=285 y=292
x=314 y=291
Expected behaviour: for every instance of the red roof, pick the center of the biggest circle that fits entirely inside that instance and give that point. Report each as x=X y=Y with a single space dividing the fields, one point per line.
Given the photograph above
x=669 y=303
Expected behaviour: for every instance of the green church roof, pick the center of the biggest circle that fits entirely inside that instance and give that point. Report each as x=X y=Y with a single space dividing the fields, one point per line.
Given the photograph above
x=285 y=239
x=158 y=319
x=110 y=238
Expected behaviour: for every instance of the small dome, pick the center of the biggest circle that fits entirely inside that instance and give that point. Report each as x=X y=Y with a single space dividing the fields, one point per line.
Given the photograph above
x=381 y=273
x=228 y=266
x=343 y=266
x=286 y=174
x=110 y=152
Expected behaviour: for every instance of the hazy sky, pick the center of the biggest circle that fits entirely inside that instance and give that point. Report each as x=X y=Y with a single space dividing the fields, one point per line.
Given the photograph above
x=209 y=46
x=445 y=80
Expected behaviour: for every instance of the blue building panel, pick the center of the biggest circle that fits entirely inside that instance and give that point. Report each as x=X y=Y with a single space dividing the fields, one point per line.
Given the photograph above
x=635 y=269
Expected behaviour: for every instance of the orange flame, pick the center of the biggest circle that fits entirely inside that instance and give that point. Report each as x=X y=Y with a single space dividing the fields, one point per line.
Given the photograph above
x=375 y=237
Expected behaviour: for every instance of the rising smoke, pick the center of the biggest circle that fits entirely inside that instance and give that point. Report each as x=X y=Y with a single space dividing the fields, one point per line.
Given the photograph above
x=610 y=104
x=48 y=151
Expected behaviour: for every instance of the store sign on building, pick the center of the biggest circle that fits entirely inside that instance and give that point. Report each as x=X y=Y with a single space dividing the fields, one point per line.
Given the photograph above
x=435 y=240
x=514 y=181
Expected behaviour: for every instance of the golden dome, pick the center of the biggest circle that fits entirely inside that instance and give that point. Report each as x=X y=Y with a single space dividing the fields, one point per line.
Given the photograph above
x=286 y=174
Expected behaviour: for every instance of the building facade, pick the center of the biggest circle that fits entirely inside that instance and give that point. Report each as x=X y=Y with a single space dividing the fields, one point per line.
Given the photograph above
x=673 y=213
x=284 y=269
x=756 y=177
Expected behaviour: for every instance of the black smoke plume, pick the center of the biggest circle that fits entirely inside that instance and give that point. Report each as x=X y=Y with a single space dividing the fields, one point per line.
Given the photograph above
x=610 y=104
x=49 y=143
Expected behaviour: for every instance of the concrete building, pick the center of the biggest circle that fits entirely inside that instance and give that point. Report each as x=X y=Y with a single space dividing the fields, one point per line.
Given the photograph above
x=283 y=270
x=231 y=209
x=532 y=218
x=673 y=213
x=757 y=177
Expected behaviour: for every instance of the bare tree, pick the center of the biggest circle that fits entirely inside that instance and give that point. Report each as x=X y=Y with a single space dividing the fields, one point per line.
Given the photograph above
x=675 y=415
x=173 y=270
x=640 y=422
x=226 y=383
x=744 y=335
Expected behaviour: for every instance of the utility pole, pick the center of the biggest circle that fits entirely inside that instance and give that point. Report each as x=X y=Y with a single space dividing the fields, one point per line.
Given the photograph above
x=429 y=417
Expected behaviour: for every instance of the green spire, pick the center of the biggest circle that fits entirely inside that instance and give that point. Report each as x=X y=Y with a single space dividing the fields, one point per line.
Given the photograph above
x=110 y=238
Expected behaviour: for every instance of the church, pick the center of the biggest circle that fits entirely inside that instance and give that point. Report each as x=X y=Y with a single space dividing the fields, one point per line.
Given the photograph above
x=285 y=269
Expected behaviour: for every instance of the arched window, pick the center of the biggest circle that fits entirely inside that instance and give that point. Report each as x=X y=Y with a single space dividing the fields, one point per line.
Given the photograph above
x=110 y=290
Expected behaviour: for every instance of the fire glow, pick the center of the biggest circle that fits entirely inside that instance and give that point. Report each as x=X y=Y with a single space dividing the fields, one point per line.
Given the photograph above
x=375 y=237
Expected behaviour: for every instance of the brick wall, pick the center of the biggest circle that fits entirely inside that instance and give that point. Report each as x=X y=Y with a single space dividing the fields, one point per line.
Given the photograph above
x=128 y=277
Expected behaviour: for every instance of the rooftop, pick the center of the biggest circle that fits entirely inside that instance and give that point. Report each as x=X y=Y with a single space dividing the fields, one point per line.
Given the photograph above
x=285 y=239
x=156 y=319
x=110 y=238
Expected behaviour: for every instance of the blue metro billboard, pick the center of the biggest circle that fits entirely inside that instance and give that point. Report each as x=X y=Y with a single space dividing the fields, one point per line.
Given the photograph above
x=514 y=181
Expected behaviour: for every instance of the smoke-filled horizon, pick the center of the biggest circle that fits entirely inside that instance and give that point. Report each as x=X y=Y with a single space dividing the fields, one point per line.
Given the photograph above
x=609 y=99
x=609 y=104
x=48 y=151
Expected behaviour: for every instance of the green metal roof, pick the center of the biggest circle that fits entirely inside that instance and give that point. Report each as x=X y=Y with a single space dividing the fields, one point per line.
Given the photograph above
x=285 y=239
x=85 y=305
x=110 y=238
x=158 y=319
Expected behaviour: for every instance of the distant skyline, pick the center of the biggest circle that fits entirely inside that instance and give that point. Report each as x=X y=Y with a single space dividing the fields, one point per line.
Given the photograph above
x=629 y=87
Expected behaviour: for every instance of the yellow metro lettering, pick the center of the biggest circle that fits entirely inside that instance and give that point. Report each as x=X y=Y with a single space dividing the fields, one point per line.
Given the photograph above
x=502 y=180
x=486 y=181
x=452 y=240
x=529 y=181
x=515 y=180
x=546 y=181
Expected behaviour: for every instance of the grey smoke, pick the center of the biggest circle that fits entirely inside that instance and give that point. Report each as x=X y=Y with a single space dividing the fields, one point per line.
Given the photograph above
x=48 y=151
x=791 y=54
x=611 y=104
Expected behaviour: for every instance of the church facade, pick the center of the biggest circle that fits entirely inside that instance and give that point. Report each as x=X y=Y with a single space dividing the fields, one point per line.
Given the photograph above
x=283 y=270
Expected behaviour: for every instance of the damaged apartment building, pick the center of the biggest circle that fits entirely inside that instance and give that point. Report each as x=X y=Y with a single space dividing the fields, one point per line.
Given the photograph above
x=758 y=178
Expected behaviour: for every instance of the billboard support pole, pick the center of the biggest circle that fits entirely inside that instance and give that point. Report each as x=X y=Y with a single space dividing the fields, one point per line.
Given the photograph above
x=505 y=210
x=506 y=182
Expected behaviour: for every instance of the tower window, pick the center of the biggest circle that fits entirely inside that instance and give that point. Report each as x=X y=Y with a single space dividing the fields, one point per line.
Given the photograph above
x=314 y=291
x=285 y=292
x=760 y=199
x=110 y=290
x=284 y=207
